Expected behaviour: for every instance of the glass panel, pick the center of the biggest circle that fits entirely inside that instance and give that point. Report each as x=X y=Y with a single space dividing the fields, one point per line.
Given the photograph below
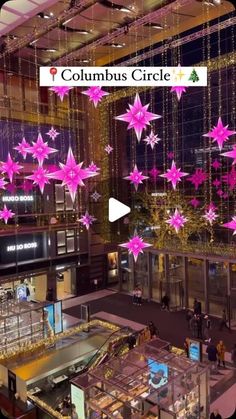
x=141 y=274
x=70 y=244
x=196 y=281
x=158 y=274
x=217 y=272
x=126 y=276
x=233 y=275
x=59 y=191
x=61 y=238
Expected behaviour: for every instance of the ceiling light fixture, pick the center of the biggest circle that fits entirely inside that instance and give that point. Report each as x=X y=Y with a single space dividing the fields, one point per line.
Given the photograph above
x=115 y=6
x=154 y=25
x=44 y=15
x=79 y=31
x=115 y=45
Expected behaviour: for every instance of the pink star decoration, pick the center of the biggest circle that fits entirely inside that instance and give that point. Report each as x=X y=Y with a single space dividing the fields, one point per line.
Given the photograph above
x=231 y=154
x=154 y=173
x=26 y=186
x=72 y=174
x=22 y=147
x=210 y=216
x=11 y=187
x=170 y=155
x=216 y=183
x=220 y=192
x=95 y=94
x=216 y=164
x=178 y=90
x=195 y=202
x=136 y=177
x=6 y=213
x=53 y=133
x=138 y=117
x=177 y=220
x=231 y=225
x=61 y=91
x=152 y=139
x=2 y=183
x=40 y=150
x=87 y=220
x=230 y=178
x=10 y=167
x=40 y=177
x=93 y=167
x=220 y=133
x=135 y=246
x=174 y=175
x=198 y=178
x=108 y=149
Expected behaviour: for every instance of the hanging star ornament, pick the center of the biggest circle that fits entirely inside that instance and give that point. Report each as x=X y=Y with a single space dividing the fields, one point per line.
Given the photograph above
x=10 y=167
x=220 y=134
x=230 y=178
x=179 y=90
x=174 y=175
x=93 y=167
x=12 y=188
x=2 y=183
x=53 y=133
x=6 y=214
x=195 y=202
x=135 y=246
x=95 y=196
x=87 y=220
x=22 y=148
x=40 y=177
x=177 y=220
x=216 y=164
x=170 y=155
x=138 y=117
x=231 y=154
x=210 y=215
x=152 y=139
x=61 y=91
x=26 y=186
x=136 y=177
x=216 y=183
x=154 y=173
x=40 y=150
x=95 y=94
x=108 y=149
x=198 y=178
x=71 y=174
x=231 y=225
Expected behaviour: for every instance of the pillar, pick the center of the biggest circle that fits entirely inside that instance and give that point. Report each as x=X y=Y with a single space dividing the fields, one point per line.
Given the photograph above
x=185 y=280
x=206 y=284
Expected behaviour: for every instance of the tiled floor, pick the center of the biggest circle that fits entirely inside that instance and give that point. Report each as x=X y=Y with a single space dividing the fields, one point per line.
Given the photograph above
x=72 y=302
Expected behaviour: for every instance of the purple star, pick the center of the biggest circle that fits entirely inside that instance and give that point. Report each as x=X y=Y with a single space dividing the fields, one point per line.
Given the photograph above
x=95 y=94
x=136 y=177
x=174 y=175
x=216 y=183
x=231 y=225
x=135 y=246
x=210 y=216
x=6 y=214
x=2 y=183
x=95 y=196
x=178 y=90
x=230 y=178
x=154 y=173
x=40 y=176
x=53 y=133
x=11 y=187
x=198 y=178
x=138 y=117
x=216 y=164
x=177 y=220
x=225 y=195
x=40 y=150
x=26 y=186
x=10 y=167
x=152 y=139
x=93 y=167
x=87 y=220
x=211 y=206
x=170 y=155
x=231 y=154
x=220 y=133
x=72 y=174
x=61 y=91
x=108 y=149
x=220 y=192
x=22 y=147
x=195 y=202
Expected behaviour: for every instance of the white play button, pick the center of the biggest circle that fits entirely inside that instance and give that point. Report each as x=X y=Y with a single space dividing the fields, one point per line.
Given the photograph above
x=117 y=210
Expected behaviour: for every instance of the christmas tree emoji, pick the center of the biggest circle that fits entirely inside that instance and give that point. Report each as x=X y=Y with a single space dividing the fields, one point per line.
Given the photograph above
x=194 y=76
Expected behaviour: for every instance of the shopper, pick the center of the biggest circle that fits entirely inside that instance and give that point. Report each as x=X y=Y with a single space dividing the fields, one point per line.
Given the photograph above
x=189 y=316
x=221 y=353
x=139 y=296
x=233 y=355
x=186 y=347
x=165 y=302
x=135 y=296
x=195 y=306
x=193 y=326
x=215 y=415
x=74 y=414
x=223 y=322
x=207 y=327
x=199 y=326
x=211 y=351
x=153 y=330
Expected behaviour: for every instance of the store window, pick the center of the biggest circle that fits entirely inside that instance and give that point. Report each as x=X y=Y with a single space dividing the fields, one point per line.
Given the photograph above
x=217 y=273
x=196 y=281
x=67 y=241
x=126 y=272
x=65 y=282
x=112 y=263
x=158 y=275
x=141 y=273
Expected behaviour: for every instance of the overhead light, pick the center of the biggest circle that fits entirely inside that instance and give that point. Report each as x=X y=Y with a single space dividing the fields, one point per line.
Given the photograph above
x=33 y=42
x=44 y=15
x=50 y=49
x=85 y=61
x=115 y=6
x=80 y=31
x=123 y=9
x=154 y=25
x=212 y=3
x=115 y=45
x=67 y=21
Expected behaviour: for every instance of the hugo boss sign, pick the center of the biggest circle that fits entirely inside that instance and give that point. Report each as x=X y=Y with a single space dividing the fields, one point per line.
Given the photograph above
x=23 y=247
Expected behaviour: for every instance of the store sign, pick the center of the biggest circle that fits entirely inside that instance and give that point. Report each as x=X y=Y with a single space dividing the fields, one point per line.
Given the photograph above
x=77 y=398
x=18 y=198
x=22 y=246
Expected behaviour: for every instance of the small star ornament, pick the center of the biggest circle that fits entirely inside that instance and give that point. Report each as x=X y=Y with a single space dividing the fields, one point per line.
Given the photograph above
x=87 y=220
x=10 y=167
x=93 y=167
x=40 y=177
x=152 y=139
x=40 y=150
x=95 y=196
x=216 y=183
x=177 y=220
x=220 y=134
x=179 y=90
x=108 y=149
x=22 y=148
x=195 y=202
x=135 y=246
x=174 y=175
x=230 y=178
x=216 y=164
x=210 y=215
x=26 y=186
x=198 y=178
x=6 y=214
x=231 y=225
x=154 y=173
x=61 y=91
x=136 y=177
x=53 y=133
x=95 y=94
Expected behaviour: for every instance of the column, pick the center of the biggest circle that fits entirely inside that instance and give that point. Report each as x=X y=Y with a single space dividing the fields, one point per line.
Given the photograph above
x=206 y=284
x=149 y=272
x=185 y=280
x=119 y=271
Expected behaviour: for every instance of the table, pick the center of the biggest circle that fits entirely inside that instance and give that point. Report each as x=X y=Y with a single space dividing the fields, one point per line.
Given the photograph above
x=60 y=379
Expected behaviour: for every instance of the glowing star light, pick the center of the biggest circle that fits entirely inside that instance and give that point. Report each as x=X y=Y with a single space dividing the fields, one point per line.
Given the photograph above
x=198 y=178
x=26 y=186
x=95 y=94
x=108 y=149
x=138 y=117
x=22 y=147
x=87 y=220
x=177 y=220
x=6 y=214
x=40 y=150
x=135 y=246
x=216 y=183
x=174 y=175
x=231 y=225
x=179 y=90
x=152 y=139
x=230 y=178
x=71 y=174
x=40 y=177
x=93 y=167
x=11 y=187
x=61 y=91
x=10 y=167
x=210 y=216
x=220 y=134
x=195 y=202
x=95 y=196
x=216 y=164
x=53 y=133
x=136 y=177
x=154 y=173
x=231 y=154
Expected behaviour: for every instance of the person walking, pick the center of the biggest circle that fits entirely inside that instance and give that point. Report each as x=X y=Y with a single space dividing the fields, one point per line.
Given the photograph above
x=193 y=326
x=199 y=326
x=165 y=302
x=195 y=306
x=189 y=316
x=223 y=322
x=153 y=330
x=233 y=355
x=207 y=327
x=211 y=351
x=221 y=353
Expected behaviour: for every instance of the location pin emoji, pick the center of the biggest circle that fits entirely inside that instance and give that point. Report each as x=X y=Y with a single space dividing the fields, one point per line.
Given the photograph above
x=53 y=72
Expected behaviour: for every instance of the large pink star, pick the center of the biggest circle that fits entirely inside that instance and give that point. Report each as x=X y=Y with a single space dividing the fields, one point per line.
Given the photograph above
x=174 y=175
x=198 y=178
x=231 y=225
x=231 y=154
x=152 y=139
x=61 y=91
x=22 y=147
x=2 y=183
x=220 y=133
x=40 y=177
x=72 y=174
x=177 y=220
x=10 y=167
x=138 y=116
x=136 y=177
x=230 y=178
x=40 y=150
x=135 y=246
x=6 y=213
x=87 y=220
x=95 y=94
x=210 y=215
x=178 y=90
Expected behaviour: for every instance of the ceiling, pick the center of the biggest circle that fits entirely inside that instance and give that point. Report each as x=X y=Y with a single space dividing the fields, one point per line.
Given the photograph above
x=92 y=32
